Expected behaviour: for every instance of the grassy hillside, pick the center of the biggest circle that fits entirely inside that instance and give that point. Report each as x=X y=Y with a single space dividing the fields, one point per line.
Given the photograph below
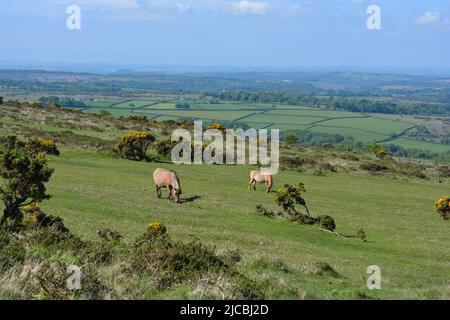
x=92 y=190
x=405 y=238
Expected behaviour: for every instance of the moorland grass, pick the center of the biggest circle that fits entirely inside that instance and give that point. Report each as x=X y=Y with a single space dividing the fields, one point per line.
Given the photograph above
x=405 y=238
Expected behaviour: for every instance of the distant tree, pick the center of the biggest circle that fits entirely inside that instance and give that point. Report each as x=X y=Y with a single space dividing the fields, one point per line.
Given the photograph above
x=183 y=105
x=290 y=138
x=54 y=106
x=1 y=100
x=65 y=102
x=138 y=118
x=24 y=173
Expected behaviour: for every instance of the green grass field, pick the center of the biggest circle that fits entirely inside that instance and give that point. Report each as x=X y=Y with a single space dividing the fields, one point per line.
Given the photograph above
x=367 y=128
x=405 y=238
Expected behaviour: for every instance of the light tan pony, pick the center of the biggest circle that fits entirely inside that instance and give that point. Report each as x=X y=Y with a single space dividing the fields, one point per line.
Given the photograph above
x=167 y=179
x=256 y=176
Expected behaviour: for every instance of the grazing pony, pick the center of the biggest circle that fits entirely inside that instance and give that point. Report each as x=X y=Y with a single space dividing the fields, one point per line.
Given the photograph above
x=167 y=179
x=256 y=176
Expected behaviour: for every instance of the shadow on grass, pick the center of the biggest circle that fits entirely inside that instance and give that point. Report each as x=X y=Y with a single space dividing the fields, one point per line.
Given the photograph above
x=189 y=199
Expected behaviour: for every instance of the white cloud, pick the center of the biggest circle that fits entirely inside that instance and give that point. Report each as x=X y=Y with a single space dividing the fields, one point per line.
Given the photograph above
x=249 y=7
x=428 y=17
x=123 y=4
x=183 y=8
x=160 y=9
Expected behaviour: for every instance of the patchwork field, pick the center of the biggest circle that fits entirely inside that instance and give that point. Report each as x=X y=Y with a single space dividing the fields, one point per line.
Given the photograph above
x=368 y=128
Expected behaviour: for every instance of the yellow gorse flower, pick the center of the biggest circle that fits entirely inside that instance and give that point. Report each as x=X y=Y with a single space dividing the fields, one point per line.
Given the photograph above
x=139 y=134
x=157 y=228
x=30 y=219
x=46 y=143
x=32 y=207
x=443 y=204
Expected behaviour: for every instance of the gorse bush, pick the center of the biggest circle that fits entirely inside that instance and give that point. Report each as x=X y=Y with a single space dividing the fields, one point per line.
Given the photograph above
x=327 y=223
x=218 y=126
x=134 y=145
x=164 y=147
x=289 y=197
x=442 y=206
x=156 y=230
x=24 y=173
x=43 y=145
x=35 y=218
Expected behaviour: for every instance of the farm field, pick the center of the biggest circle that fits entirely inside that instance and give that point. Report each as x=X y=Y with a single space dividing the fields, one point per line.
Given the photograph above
x=367 y=128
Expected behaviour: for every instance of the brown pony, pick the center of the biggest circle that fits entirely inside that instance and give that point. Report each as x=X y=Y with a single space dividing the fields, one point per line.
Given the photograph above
x=256 y=176
x=167 y=179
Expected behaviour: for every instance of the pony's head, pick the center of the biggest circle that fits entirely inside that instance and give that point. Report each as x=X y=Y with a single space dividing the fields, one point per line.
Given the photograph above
x=176 y=194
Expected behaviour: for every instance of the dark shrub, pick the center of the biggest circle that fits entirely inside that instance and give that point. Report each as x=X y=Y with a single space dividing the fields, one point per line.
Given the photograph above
x=327 y=223
x=444 y=171
x=264 y=212
x=361 y=234
x=164 y=147
x=373 y=167
x=109 y=235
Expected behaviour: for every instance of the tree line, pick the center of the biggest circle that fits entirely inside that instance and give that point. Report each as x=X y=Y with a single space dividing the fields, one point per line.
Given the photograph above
x=63 y=102
x=335 y=103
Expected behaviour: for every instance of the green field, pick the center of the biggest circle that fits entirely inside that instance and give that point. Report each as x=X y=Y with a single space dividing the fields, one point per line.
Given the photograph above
x=197 y=114
x=414 y=144
x=367 y=128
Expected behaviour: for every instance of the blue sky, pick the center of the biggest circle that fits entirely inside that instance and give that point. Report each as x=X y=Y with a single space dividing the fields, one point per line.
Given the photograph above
x=277 y=33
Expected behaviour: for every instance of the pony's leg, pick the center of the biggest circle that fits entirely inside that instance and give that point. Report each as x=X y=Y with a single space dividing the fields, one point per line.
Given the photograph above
x=250 y=184
x=158 y=192
x=170 y=193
